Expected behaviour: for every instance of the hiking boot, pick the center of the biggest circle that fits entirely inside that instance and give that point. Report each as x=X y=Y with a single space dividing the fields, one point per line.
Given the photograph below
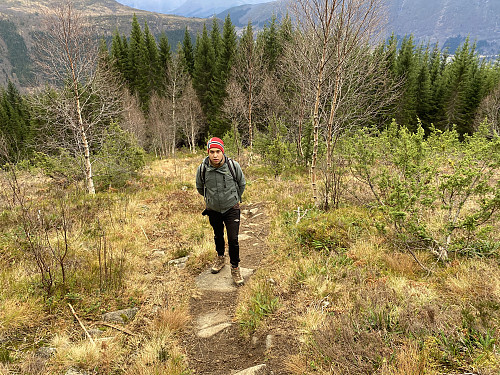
x=218 y=264
x=235 y=273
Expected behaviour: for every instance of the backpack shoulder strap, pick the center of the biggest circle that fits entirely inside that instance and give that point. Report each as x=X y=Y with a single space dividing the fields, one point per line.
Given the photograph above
x=203 y=169
x=230 y=165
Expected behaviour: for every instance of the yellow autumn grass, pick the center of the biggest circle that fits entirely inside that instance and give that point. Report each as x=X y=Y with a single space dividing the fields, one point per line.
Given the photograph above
x=16 y=314
x=85 y=354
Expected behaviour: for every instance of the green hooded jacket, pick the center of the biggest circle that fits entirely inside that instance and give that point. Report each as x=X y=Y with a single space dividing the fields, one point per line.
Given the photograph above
x=220 y=190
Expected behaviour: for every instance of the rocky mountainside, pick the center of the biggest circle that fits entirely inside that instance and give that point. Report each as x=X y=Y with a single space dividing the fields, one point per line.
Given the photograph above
x=20 y=20
x=448 y=22
x=188 y=8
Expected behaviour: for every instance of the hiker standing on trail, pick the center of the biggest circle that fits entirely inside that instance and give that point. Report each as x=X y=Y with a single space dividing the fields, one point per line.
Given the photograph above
x=221 y=182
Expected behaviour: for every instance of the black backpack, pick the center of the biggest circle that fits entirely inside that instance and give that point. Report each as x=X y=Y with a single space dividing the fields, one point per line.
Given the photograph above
x=230 y=165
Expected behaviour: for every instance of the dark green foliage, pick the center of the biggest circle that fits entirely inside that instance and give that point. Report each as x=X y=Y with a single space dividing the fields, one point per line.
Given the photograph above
x=436 y=89
x=119 y=158
x=137 y=71
x=119 y=52
x=165 y=61
x=187 y=48
x=271 y=43
x=225 y=59
x=276 y=151
x=152 y=61
x=15 y=128
x=17 y=52
x=406 y=67
x=204 y=71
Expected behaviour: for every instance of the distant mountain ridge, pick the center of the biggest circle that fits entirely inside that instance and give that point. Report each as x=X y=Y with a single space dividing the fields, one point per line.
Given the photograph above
x=189 y=8
x=20 y=19
x=447 y=22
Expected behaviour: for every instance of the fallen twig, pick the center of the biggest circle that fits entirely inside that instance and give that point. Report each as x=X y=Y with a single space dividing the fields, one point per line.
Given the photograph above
x=124 y=330
x=81 y=324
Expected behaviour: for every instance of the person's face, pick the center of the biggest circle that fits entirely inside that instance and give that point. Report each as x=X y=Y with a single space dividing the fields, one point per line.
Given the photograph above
x=215 y=155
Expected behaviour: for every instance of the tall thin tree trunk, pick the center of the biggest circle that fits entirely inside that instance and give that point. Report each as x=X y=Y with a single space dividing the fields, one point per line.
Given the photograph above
x=319 y=84
x=86 y=151
x=174 y=126
x=329 y=140
x=83 y=135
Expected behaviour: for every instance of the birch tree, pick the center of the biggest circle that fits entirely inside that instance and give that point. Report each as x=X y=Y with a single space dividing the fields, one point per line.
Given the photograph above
x=249 y=74
x=191 y=116
x=83 y=96
x=335 y=29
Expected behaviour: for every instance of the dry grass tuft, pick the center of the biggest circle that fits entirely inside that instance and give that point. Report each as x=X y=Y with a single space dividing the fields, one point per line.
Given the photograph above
x=15 y=313
x=475 y=280
x=343 y=348
x=158 y=355
x=86 y=355
x=409 y=360
x=171 y=320
x=296 y=365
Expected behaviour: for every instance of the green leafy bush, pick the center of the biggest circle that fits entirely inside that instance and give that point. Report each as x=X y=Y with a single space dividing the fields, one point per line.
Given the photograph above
x=119 y=158
x=274 y=148
x=438 y=190
x=329 y=231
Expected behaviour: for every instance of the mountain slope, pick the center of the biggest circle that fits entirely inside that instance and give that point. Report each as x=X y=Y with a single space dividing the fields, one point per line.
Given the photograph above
x=188 y=8
x=445 y=21
x=20 y=19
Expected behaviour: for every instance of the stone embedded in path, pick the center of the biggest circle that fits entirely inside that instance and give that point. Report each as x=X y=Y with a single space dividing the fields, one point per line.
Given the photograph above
x=253 y=211
x=210 y=331
x=120 y=316
x=158 y=253
x=179 y=262
x=222 y=281
x=243 y=237
x=211 y=323
x=212 y=318
x=255 y=370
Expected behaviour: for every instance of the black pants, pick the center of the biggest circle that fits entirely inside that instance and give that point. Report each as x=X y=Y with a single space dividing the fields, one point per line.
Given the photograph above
x=231 y=219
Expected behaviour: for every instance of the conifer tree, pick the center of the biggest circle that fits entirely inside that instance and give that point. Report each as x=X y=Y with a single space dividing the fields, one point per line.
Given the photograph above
x=119 y=53
x=216 y=39
x=456 y=80
x=137 y=70
x=204 y=68
x=14 y=123
x=423 y=89
x=474 y=93
x=188 y=53
x=437 y=86
x=406 y=67
x=285 y=32
x=218 y=124
x=391 y=53
x=152 y=61
x=165 y=61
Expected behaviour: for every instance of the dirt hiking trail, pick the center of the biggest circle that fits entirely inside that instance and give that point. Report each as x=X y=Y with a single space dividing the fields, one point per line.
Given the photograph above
x=214 y=344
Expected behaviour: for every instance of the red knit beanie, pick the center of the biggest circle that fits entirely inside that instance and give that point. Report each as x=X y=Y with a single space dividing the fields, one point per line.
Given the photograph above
x=215 y=143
